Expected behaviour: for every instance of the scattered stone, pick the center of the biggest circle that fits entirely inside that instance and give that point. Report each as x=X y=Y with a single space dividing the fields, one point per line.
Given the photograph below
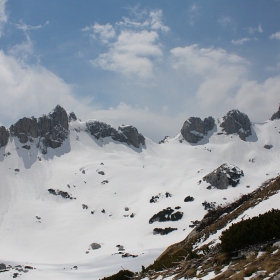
x=268 y=147
x=27 y=147
x=104 y=182
x=84 y=206
x=17 y=170
x=103 y=211
x=224 y=176
x=126 y=209
x=154 y=199
x=194 y=129
x=167 y=194
x=194 y=224
x=163 y=231
x=166 y=215
x=61 y=193
x=101 y=172
x=38 y=218
x=188 y=199
x=236 y=122
x=95 y=246
x=127 y=255
x=209 y=205
x=165 y=139
x=92 y=212
x=132 y=215
x=84 y=172
x=178 y=207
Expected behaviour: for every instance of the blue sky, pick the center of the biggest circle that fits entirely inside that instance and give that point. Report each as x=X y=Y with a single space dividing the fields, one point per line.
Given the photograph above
x=151 y=64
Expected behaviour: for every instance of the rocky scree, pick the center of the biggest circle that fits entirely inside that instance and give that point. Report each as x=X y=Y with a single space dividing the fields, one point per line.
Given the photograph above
x=236 y=122
x=276 y=115
x=224 y=176
x=194 y=129
x=126 y=134
x=51 y=129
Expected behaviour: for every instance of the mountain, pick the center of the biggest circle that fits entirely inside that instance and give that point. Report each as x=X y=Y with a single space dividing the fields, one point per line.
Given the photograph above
x=83 y=200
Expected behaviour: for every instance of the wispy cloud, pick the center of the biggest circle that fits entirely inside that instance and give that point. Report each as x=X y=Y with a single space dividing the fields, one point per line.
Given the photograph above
x=193 y=13
x=3 y=15
x=242 y=41
x=275 y=36
x=227 y=23
x=253 y=30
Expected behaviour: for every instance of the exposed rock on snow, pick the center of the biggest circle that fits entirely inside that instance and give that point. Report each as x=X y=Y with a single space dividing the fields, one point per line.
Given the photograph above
x=163 y=231
x=224 y=176
x=188 y=199
x=61 y=193
x=194 y=129
x=51 y=129
x=95 y=246
x=268 y=146
x=4 y=136
x=126 y=134
x=236 y=122
x=276 y=115
x=72 y=117
x=166 y=215
x=2 y=266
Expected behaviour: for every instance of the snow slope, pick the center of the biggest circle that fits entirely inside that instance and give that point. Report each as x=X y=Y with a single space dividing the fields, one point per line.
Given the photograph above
x=118 y=212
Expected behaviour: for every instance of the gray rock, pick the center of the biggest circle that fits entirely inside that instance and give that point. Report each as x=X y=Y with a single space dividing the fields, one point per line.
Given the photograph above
x=194 y=129
x=276 y=115
x=4 y=136
x=72 y=117
x=268 y=146
x=133 y=136
x=95 y=246
x=224 y=176
x=2 y=266
x=236 y=122
x=51 y=129
x=125 y=134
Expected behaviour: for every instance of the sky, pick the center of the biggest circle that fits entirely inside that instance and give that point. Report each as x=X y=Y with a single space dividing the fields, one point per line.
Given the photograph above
x=151 y=64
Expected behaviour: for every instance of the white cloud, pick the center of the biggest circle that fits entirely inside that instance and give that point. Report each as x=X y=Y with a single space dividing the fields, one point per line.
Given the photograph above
x=220 y=72
x=3 y=15
x=252 y=30
x=275 y=36
x=105 y=32
x=193 y=13
x=242 y=41
x=31 y=90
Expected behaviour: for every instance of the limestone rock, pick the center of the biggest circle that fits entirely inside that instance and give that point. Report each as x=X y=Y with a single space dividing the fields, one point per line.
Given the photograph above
x=194 y=129
x=224 y=176
x=276 y=115
x=236 y=122
x=51 y=129
x=133 y=136
x=4 y=136
x=125 y=134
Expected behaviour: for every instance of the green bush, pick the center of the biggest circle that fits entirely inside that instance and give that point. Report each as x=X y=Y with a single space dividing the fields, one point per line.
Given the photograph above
x=252 y=231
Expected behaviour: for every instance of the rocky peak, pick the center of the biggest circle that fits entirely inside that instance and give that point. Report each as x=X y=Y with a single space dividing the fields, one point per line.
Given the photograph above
x=133 y=136
x=72 y=117
x=194 y=129
x=51 y=130
x=126 y=134
x=276 y=115
x=4 y=136
x=236 y=122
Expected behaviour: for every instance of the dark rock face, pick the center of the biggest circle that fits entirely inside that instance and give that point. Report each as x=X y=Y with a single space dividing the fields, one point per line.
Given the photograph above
x=4 y=136
x=72 y=117
x=236 y=122
x=276 y=115
x=188 y=199
x=95 y=246
x=194 y=129
x=166 y=215
x=133 y=136
x=224 y=176
x=52 y=130
x=125 y=134
x=163 y=231
x=2 y=266
x=61 y=193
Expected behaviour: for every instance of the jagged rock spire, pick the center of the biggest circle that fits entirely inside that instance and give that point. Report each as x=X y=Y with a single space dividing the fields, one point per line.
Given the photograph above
x=276 y=115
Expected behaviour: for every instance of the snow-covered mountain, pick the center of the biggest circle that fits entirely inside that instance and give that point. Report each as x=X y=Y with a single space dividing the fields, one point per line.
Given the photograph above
x=82 y=200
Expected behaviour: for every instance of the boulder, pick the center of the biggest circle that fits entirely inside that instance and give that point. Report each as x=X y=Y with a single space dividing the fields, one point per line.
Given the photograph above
x=236 y=122
x=194 y=129
x=166 y=215
x=276 y=115
x=95 y=246
x=224 y=176
x=2 y=266
x=4 y=136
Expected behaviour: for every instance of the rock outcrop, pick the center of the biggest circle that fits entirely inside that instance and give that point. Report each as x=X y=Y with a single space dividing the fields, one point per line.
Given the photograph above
x=126 y=134
x=276 y=115
x=236 y=122
x=51 y=129
x=194 y=129
x=224 y=176
x=4 y=136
